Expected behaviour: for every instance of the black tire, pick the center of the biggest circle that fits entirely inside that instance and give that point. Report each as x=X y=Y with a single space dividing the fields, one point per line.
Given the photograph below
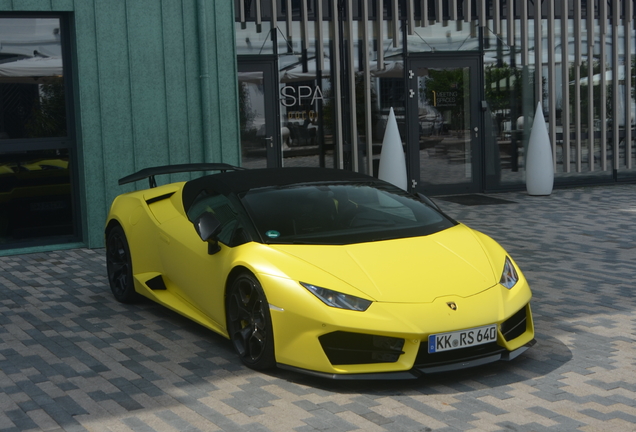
x=249 y=323
x=119 y=267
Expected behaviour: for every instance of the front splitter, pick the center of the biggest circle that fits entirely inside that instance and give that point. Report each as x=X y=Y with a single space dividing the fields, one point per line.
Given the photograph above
x=416 y=372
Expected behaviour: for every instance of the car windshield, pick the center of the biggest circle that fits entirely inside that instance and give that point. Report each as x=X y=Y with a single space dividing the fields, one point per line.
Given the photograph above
x=343 y=213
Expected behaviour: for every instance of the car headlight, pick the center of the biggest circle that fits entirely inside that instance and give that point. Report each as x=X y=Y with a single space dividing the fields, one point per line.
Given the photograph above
x=337 y=299
x=509 y=277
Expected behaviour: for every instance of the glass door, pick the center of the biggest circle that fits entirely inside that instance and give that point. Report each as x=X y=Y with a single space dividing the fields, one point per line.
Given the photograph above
x=258 y=111
x=445 y=123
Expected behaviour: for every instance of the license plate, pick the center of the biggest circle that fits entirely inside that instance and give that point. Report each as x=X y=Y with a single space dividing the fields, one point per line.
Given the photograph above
x=462 y=339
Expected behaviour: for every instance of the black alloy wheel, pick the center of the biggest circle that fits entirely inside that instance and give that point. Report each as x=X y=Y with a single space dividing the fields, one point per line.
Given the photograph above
x=249 y=323
x=119 y=267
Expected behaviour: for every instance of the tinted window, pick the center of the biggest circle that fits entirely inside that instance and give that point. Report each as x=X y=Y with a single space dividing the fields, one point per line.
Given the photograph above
x=36 y=190
x=35 y=196
x=32 y=94
x=232 y=231
x=340 y=214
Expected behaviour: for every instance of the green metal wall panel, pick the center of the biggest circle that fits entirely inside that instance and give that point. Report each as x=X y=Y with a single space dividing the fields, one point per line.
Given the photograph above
x=227 y=87
x=214 y=150
x=88 y=122
x=174 y=62
x=114 y=78
x=192 y=80
x=147 y=83
x=62 y=5
x=31 y=5
x=138 y=90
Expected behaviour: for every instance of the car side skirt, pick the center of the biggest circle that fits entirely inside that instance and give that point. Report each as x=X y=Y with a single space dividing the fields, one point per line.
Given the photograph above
x=162 y=294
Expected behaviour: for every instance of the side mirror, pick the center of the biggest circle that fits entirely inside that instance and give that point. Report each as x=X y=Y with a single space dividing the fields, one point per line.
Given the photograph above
x=208 y=227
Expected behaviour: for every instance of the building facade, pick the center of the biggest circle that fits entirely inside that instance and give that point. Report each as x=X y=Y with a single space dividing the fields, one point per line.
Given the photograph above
x=92 y=90
x=463 y=77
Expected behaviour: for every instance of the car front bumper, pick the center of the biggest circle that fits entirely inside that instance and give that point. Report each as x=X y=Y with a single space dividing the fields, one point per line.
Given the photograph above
x=302 y=324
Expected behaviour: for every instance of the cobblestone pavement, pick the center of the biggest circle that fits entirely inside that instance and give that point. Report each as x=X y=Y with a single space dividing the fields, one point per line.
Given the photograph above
x=72 y=358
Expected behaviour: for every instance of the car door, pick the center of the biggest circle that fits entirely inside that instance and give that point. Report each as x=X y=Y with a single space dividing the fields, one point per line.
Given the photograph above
x=196 y=275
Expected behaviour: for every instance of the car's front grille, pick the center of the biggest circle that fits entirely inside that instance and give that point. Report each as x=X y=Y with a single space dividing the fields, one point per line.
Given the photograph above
x=514 y=326
x=343 y=348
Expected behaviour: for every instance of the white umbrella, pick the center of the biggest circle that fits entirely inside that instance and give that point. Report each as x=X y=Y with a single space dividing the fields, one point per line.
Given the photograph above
x=296 y=74
x=597 y=78
x=31 y=70
x=251 y=77
x=392 y=69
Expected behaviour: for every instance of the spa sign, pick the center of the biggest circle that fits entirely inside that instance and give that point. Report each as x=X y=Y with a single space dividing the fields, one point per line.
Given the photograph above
x=300 y=95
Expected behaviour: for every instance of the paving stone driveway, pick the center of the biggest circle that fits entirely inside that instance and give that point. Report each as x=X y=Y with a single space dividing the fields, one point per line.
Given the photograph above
x=71 y=358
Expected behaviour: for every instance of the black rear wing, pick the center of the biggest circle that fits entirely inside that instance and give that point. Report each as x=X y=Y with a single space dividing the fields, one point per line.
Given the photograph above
x=150 y=173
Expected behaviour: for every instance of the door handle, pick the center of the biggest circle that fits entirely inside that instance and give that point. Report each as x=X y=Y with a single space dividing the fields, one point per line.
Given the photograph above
x=270 y=141
x=476 y=132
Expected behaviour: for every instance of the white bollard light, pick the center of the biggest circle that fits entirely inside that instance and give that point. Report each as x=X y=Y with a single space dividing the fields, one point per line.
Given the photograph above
x=392 y=163
x=539 y=167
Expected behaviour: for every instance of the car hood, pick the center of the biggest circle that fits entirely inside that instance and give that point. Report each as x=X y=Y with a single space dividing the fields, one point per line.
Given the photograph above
x=410 y=270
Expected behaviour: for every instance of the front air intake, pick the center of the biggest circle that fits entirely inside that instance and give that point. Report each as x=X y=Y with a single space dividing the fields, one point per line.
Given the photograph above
x=344 y=348
x=515 y=326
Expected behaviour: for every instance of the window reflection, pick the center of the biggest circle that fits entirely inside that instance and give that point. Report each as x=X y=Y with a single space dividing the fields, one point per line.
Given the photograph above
x=35 y=196
x=460 y=36
x=251 y=93
x=36 y=204
x=32 y=101
x=306 y=111
x=252 y=39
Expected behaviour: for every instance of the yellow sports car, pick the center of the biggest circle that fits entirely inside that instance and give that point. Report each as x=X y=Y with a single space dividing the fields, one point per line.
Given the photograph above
x=321 y=271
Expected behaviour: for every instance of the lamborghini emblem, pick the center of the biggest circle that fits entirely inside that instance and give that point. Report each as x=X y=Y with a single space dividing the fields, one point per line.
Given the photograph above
x=452 y=305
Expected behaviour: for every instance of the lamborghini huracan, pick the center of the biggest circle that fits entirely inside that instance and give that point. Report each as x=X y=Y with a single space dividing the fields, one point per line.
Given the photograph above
x=322 y=271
